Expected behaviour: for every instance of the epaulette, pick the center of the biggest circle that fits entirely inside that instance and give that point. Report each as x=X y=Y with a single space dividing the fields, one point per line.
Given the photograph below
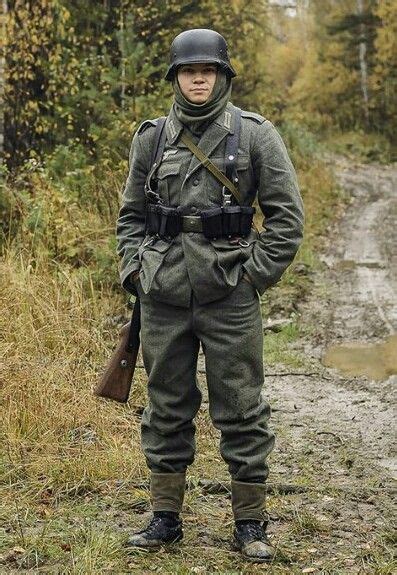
x=253 y=116
x=146 y=124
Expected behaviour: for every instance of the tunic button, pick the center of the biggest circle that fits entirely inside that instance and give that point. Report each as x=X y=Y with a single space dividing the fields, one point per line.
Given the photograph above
x=196 y=182
x=194 y=209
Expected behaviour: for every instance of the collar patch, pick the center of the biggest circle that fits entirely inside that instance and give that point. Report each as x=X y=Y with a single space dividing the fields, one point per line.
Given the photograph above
x=227 y=120
x=172 y=128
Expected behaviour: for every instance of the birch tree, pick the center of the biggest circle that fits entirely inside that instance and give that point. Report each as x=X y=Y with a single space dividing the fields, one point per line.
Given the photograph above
x=3 y=16
x=362 y=52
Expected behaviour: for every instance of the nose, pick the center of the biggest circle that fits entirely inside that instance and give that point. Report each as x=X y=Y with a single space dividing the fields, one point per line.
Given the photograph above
x=198 y=78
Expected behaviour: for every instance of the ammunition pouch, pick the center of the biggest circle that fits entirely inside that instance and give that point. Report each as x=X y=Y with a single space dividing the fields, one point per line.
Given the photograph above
x=227 y=221
x=163 y=221
x=219 y=222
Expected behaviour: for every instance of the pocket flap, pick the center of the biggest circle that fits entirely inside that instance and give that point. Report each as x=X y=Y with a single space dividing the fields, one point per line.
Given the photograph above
x=243 y=162
x=155 y=245
x=223 y=243
x=168 y=169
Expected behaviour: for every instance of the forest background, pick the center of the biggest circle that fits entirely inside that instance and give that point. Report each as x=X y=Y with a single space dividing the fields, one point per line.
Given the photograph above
x=76 y=79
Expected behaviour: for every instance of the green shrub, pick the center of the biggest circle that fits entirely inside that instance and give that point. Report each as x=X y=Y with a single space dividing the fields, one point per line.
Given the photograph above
x=363 y=146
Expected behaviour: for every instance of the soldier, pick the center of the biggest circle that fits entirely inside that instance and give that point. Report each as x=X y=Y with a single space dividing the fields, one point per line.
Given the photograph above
x=190 y=253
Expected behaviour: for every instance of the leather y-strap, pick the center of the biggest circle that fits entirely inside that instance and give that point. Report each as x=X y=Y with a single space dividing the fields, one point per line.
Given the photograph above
x=157 y=150
x=206 y=162
x=159 y=142
x=231 y=148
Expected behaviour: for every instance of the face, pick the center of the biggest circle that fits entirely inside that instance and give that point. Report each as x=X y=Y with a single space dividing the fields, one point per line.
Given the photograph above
x=197 y=81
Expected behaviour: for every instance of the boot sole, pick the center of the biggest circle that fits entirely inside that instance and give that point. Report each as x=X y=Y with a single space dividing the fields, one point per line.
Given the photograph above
x=237 y=547
x=131 y=548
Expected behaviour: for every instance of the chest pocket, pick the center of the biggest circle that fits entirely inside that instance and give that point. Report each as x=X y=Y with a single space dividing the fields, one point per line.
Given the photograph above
x=168 y=182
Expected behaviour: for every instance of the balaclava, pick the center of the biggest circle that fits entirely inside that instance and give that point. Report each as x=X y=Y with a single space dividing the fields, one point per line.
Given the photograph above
x=197 y=117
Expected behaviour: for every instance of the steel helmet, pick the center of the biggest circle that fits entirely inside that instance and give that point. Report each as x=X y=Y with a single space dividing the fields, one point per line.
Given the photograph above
x=197 y=46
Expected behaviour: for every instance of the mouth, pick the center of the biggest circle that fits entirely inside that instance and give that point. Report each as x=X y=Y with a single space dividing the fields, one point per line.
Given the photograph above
x=199 y=90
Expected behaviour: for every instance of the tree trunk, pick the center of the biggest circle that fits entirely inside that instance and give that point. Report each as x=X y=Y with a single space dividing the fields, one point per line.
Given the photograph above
x=122 y=50
x=362 y=52
x=3 y=16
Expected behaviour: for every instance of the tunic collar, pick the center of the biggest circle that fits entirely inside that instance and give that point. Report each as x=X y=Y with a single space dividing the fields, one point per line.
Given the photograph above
x=225 y=120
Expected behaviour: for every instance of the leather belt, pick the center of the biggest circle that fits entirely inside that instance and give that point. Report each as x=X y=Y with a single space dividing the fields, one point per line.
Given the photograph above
x=192 y=224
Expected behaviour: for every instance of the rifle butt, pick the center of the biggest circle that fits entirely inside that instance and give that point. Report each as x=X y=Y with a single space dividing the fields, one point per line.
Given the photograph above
x=115 y=383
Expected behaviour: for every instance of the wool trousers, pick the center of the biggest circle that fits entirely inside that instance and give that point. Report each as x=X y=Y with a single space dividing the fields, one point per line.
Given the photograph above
x=231 y=335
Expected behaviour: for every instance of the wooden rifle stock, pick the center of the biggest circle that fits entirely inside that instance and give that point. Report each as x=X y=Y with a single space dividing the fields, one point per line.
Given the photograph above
x=116 y=380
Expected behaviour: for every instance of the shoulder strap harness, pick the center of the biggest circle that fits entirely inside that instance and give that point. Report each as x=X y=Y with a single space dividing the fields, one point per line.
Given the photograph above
x=155 y=159
x=229 y=179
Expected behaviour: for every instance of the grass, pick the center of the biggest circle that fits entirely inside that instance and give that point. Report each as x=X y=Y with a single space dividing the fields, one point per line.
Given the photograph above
x=277 y=347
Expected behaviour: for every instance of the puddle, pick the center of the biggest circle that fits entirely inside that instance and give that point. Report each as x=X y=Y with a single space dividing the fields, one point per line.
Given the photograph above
x=345 y=265
x=351 y=264
x=377 y=361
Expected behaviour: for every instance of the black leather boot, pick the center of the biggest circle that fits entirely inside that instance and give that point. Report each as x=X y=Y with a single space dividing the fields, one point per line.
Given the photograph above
x=164 y=528
x=251 y=539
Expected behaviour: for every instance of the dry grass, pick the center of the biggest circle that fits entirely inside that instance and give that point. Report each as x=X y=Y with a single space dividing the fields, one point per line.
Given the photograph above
x=53 y=341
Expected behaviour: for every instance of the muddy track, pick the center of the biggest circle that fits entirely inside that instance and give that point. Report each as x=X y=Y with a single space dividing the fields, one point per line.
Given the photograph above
x=354 y=300
x=363 y=254
x=333 y=428
x=360 y=305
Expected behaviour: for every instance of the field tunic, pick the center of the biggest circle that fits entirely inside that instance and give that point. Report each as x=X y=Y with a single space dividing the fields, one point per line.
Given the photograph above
x=171 y=270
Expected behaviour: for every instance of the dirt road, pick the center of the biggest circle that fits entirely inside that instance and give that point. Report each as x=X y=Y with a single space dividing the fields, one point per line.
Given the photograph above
x=339 y=430
x=355 y=300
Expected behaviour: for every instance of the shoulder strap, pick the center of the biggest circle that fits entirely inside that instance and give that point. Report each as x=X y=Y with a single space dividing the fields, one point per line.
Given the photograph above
x=231 y=151
x=159 y=141
x=157 y=150
x=206 y=162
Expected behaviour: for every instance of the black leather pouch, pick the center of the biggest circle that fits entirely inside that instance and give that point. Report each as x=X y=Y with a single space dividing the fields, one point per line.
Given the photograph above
x=212 y=223
x=174 y=222
x=246 y=217
x=153 y=219
x=231 y=221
